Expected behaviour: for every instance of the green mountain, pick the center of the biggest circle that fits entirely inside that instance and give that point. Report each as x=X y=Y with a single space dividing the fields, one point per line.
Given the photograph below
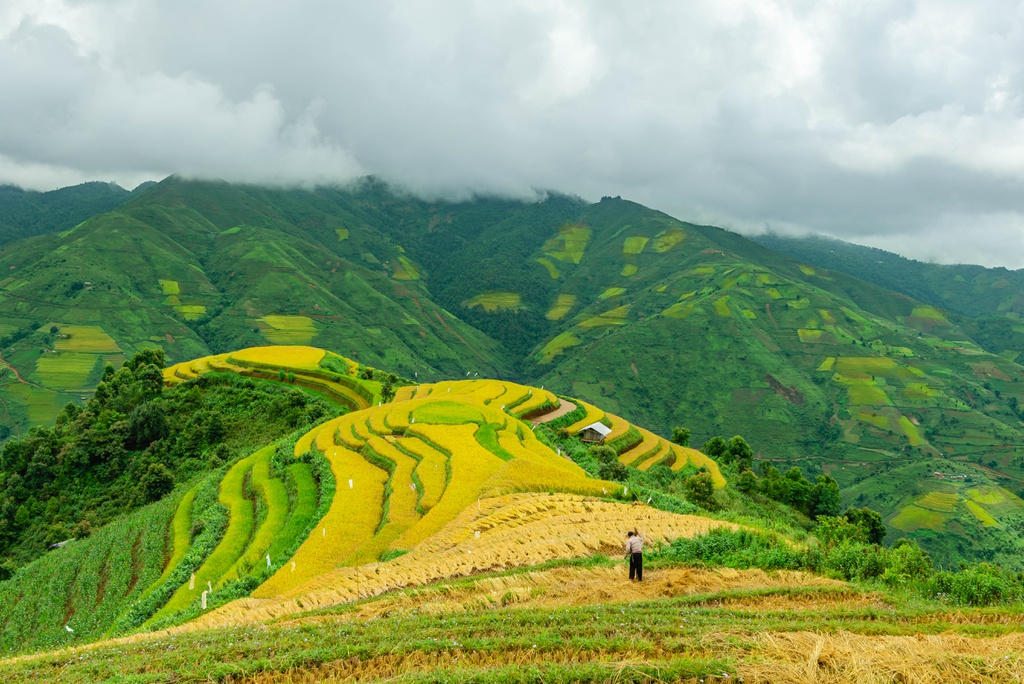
x=663 y=322
x=24 y=213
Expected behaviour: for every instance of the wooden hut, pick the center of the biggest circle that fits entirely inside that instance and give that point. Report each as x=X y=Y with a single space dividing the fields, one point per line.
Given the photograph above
x=595 y=432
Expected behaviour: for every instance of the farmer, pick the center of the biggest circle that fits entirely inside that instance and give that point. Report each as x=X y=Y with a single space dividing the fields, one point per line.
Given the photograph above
x=635 y=554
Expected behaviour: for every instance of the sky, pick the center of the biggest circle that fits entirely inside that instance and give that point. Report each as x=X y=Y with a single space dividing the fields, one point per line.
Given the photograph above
x=892 y=123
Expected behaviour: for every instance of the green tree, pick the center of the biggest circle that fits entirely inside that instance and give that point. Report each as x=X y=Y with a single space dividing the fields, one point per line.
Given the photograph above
x=681 y=436
x=747 y=482
x=740 y=453
x=156 y=483
x=868 y=520
x=826 y=497
x=387 y=390
x=716 y=448
x=700 y=490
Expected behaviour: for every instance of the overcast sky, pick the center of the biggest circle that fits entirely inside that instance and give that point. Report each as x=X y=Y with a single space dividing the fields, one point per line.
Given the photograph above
x=896 y=124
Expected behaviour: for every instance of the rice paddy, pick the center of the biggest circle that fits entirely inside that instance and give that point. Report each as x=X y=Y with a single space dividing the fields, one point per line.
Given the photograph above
x=722 y=306
x=85 y=338
x=405 y=270
x=628 y=270
x=569 y=244
x=288 y=330
x=616 y=316
x=557 y=345
x=634 y=245
x=169 y=287
x=65 y=370
x=562 y=304
x=342 y=234
x=913 y=517
x=808 y=336
x=928 y=312
x=944 y=502
x=612 y=292
x=987 y=494
x=496 y=301
x=668 y=238
x=551 y=268
x=983 y=516
x=191 y=312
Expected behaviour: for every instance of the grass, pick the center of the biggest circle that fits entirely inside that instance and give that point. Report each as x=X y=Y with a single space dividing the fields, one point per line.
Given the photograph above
x=496 y=301
x=85 y=338
x=303 y=509
x=557 y=345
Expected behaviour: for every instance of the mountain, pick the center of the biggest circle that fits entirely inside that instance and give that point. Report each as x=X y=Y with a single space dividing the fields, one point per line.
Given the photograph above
x=663 y=322
x=24 y=213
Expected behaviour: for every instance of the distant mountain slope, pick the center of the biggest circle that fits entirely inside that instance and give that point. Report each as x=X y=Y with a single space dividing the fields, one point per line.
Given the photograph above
x=988 y=301
x=24 y=213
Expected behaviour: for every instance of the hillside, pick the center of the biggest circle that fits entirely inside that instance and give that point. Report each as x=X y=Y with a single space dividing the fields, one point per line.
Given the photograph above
x=662 y=322
x=24 y=213
x=447 y=535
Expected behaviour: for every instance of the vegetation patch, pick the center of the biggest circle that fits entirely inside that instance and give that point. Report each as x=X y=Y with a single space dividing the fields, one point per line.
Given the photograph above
x=879 y=421
x=911 y=431
x=612 y=292
x=558 y=345
x=496 y=301
x=668 y=238
x=944 y=502
x=65 y=370
x=628 y=270
x=447 y=413
x=914 y=517
x=983 y=516
x=616 y=316
x=85 y=338
x=561 y=307
x=342 y=234
x=928 y=312
x=634 y=245
x=550 y=266
x=987 y=495
x=722 y=306
x=405 y=269
x=828 y=364
x=284 y=329
x=191 y=312
x=809 y=336
x=569 y=244
x=169 y=287
x=703 y=270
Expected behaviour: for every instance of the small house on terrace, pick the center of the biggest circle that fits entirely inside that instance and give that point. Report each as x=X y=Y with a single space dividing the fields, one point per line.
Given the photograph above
x=595 y=432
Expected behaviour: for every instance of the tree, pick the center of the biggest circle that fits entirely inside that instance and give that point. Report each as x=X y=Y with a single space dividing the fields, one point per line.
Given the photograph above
x=869 y=521
x=387 y=390
x=826 y=497
x=681 y=436
x=740 y=453
x=612 y=470
x=146 y=424
x=716 y=448
x=156 y=483
x=700 y=490
x=747 y=482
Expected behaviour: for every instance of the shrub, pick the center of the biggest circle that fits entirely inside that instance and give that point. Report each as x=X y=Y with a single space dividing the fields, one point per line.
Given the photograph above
x=700 y=490
x=980 y=585
x=908 y=563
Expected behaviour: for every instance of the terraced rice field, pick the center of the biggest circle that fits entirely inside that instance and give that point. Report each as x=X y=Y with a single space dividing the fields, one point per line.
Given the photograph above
x=66 y=370
x=191 y=312
x=552 y=269
x=612 y=292
x=668 y=238
x=296 y=357
x=496 y=301
x=983 y=516
x=616 y=316
x=169 y=287
x=939 y=501
x=913 y=517
x=634 y=245
x=281 y=329
x=85 y=338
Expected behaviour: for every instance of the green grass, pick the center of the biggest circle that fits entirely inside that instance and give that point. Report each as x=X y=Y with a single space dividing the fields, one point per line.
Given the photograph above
x=488 y=439
x=303 y=510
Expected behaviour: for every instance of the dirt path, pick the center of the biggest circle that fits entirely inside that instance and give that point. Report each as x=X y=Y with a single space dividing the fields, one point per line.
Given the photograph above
x=563 y=408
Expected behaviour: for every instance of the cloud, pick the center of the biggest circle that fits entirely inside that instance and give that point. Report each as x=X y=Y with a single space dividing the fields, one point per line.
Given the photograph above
x=895 y=123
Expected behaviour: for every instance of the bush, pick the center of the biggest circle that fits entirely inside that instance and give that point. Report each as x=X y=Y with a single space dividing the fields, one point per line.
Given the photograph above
x=700 y=490
x=980 y=585
x=908 y=563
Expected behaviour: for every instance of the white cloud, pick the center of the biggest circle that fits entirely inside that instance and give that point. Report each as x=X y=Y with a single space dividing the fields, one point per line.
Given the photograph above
x=895 y=122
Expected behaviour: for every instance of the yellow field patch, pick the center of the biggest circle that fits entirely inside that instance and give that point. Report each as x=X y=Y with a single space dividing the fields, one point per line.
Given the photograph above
x=939 y=501
x=722 y=306
x=634 y=245
x=983 y=516
x=864 y=392
x=860 y=365
x=679 y=310
x=289 y=356
x=628 y=270
x=85 y=338
x=612 y=292
x=342 y=234
x=806 y=270
x=616 y=316
x=172 y=300
x=747 y=313
x=914 y=517
x=919 y=390
x=68 y=370
x=569 y=244
x=826 y=317
x=827 y=364
x=986 y=494
x=703 y=270
x=801 y=303
x=289 y=329
x=774 y=293
x=169 y=287
x=558 y=345
x=550 y=266
x=496 y=301
x=667 y=239
x=809 y=336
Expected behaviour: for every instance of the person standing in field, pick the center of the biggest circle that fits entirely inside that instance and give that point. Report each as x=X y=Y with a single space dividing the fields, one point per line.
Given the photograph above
x=635 y=553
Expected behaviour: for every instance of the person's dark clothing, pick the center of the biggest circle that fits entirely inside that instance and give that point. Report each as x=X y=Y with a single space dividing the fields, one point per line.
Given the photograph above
x=636 y=566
